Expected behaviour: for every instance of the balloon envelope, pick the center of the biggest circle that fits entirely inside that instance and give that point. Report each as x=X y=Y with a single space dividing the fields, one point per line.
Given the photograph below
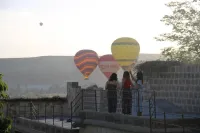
x=86 y=61
x=125 y=50
x=108 y=65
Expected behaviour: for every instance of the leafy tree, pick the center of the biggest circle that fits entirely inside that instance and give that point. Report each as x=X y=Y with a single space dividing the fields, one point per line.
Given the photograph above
x=185 y=23
x=5 y=123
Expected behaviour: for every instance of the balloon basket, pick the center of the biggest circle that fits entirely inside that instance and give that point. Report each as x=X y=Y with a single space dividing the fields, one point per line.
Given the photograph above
x=86 y=79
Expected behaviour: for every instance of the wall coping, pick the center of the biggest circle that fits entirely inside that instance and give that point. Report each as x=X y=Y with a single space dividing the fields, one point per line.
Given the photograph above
x=135 y=124
x=114 y=118
x=22 y=122
x=115 y=121
x=25 y=129
x=123 y=127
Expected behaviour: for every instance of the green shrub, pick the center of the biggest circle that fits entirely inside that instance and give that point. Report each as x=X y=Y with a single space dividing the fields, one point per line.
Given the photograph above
x=5 y=122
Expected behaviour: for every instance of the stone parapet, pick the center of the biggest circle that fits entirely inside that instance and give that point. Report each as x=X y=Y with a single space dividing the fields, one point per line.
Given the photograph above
x=99 y=122
x=30 y=126
x=180 y=85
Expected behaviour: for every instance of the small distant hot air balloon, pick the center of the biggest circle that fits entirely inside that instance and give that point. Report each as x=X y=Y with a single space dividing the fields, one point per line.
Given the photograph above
x=125 y=50
x=108 y=65
x=86 y=61
x=41 y=24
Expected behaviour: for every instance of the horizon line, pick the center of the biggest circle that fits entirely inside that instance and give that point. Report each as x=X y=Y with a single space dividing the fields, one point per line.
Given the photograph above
x=61 y=56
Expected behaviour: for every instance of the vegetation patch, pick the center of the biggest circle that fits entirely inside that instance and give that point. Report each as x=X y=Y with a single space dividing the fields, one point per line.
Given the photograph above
x=5 y=122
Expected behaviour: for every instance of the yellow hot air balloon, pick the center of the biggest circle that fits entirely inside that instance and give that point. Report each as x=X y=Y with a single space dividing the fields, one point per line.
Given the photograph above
x=125 y=50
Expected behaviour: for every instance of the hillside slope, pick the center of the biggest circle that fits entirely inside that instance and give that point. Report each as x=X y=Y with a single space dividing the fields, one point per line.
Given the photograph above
x=48 y=70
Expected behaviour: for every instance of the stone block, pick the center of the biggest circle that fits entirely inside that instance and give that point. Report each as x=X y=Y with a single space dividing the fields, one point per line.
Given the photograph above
x=171 y=94
x=197 y=101
x=185 y=94
x=170 y=88
x=167 y=81
x=181 y=75
x=188 y=75
x=196 y=68
x=195 y=109
x=175 y=100
x=186 y=88
x=195 y=95
x=179 y=101
x=190 y=108
x=172 y=75
x=175 y=81
x=171 y=81
x=188 y=69
x=191 y=94
x=182 y=101
x=193 y=102
x=176 y=75
x=193 y=75
x=181 y=88
x=181 y=81
x=197 y=88
x=193 y=81
x=172 y=69
x=187 y=81
x=185 y=75
x=166 y=94
x=189 y=101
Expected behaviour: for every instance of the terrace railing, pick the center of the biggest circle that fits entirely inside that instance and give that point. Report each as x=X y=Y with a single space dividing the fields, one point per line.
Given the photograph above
x=96 y=100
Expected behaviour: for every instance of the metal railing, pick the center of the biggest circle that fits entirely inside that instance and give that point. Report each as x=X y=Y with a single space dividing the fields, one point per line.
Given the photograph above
x=44 y=113
x=33 y=111
x=96 y=100
x=76 y=105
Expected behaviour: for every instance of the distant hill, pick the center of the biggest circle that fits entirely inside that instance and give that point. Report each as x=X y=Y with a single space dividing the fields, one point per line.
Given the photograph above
x=48 y=70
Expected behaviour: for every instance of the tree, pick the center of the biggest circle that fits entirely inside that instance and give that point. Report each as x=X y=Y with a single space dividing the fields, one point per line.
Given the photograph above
x=185 y=23
x=5 y=123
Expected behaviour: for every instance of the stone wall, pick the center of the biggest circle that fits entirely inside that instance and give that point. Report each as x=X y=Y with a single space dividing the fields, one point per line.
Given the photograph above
x=99 y=122
x=28 y=126
x=96 y=100
x=180 y=85
x=96 y=129
x=23 y=109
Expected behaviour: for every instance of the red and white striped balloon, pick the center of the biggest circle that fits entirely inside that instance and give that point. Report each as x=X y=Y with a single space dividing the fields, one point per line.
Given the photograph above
x=108 y=65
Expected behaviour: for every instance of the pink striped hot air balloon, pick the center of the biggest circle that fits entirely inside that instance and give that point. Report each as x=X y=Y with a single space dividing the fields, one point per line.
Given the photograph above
x=108 y=65
x=86 y=61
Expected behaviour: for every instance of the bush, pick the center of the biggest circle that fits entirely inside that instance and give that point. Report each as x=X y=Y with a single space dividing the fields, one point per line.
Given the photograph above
x=5 y=125
x=5 y=122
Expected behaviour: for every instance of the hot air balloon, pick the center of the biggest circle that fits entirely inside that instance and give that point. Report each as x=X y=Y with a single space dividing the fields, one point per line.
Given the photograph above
x=125 y=50
x=86 y=61
x=41 y=23
x=108 y=65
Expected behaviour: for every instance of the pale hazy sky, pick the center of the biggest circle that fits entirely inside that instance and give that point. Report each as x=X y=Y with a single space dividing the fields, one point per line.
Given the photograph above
x=72 y=25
